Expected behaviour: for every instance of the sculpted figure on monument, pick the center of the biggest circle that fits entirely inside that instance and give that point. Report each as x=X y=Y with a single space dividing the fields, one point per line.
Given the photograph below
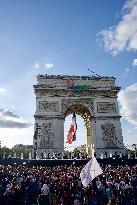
x=47 y=135
x=106 y=107
x=48 y=106
x=109 y=134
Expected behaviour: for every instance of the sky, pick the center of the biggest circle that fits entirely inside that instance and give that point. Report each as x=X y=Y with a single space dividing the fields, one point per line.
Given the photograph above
x=64 y=37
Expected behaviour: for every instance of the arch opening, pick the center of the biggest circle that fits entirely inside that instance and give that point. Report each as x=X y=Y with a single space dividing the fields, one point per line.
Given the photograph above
x=79 y=110
x=84 y=116
x=81 y=132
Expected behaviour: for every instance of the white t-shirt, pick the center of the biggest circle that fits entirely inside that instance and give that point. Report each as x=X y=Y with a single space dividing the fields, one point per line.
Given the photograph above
x=77 y=202
x=45 y=190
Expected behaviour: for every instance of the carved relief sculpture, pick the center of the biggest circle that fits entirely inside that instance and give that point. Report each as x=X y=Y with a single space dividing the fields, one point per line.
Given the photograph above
x=109 y=134
x=70 y=93
x=106 y=107
x=48 y=106
x=47 y=135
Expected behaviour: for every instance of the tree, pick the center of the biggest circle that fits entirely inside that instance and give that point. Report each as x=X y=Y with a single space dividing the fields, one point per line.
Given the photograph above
x=5 y=150
x=20 y=148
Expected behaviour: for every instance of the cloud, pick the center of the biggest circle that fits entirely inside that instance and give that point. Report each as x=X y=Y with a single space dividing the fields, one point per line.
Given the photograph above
x=128 y=103
x=127 y=70
x=13 y=124
x=134 y=62
x=123 y=35
x=2 y=90
x=48 y=65
x=38 y=68
x=10 y=136
x=35 y=66
x=8 y=119
x=8 y=113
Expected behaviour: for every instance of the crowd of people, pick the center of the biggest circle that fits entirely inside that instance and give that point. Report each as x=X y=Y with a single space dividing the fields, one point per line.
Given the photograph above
x=61 y=185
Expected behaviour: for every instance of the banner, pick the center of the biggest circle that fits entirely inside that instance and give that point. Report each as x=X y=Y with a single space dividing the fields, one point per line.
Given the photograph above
x=91 y=170
x=70 y=134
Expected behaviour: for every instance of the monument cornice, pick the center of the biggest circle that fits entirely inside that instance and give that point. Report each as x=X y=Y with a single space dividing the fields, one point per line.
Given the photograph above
x=63 y=92
x=48 y=117
x=74 y=77
x=64 y=88
x=104 y=117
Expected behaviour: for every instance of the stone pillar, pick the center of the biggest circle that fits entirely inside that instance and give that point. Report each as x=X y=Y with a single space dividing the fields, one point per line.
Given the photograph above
x=59 y=136
x=108 y=131
x=49 y=137
x=93 y=136
x=88 y=141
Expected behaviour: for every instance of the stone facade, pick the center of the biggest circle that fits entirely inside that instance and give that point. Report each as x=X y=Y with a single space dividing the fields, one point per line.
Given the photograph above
x=94 y=98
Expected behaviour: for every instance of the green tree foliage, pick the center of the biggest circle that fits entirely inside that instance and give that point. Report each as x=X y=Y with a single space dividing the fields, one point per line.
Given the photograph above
x=18 y=149
x=5 y=150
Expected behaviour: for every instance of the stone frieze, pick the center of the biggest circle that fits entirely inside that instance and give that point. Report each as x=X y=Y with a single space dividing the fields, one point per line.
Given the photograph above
x=106 y=107
x=45 y=106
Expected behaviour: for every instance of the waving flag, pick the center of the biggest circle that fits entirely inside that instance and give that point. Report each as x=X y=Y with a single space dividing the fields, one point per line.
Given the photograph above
x=91 y=170
x=70 y=134
x=75 y=126
x=72 y=130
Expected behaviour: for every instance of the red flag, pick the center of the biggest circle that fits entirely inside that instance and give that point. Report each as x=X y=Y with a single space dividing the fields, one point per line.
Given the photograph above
x=75 y=126
x=70 y=134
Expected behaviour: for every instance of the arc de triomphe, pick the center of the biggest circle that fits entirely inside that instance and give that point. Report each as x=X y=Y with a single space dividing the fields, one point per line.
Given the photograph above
x=94 y=98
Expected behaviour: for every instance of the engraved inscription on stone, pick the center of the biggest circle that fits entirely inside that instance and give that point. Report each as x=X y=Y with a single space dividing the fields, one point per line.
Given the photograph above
x=106 y=107
x=47 y=135
x=48 y=106
x=109 y=135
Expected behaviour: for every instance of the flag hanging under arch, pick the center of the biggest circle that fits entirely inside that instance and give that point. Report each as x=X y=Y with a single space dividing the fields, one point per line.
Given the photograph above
x=72 y=130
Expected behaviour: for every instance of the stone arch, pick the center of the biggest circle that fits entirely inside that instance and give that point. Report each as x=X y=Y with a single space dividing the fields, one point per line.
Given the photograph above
x=94 y=98
x=87 y=103
x=81 y=110
x=83 y=107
